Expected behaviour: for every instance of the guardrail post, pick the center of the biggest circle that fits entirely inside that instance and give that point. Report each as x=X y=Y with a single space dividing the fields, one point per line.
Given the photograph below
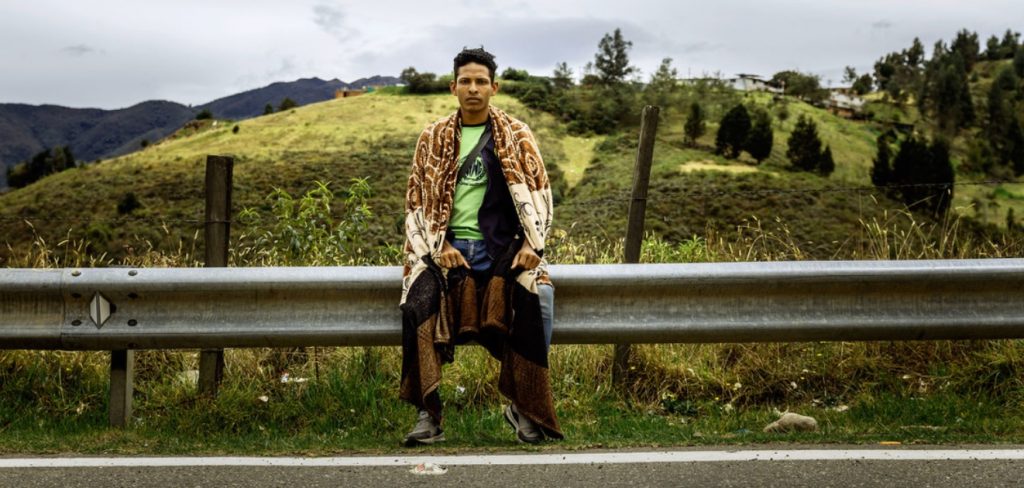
x=635 y=224
x=122 y=366
x=219 y=170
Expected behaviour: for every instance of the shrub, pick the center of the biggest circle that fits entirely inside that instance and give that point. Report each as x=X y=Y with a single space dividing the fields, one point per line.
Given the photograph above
x=804 y=150
x=733 y=132
x=759 y=142
x=129 y=202
x=286 y=104
x=694 y=127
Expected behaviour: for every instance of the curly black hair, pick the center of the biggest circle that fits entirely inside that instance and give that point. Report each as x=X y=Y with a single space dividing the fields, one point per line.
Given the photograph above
x=477 y=55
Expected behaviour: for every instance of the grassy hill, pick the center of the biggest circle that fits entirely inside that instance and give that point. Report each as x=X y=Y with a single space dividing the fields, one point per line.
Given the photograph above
x=25 y=130
x=364 y=137
x=693 y=191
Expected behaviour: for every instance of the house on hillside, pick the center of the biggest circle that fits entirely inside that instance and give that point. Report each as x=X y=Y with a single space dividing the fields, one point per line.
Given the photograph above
x=845 y=103
x=749 y=82
x=343 y=93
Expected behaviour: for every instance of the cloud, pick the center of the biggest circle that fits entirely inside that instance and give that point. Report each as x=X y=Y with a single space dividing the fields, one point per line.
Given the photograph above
x=691 y=47
x=700 y=47
x=286 y=68
x=79 y=50
x=881 y=25
x=525 y=43
x=331 y=20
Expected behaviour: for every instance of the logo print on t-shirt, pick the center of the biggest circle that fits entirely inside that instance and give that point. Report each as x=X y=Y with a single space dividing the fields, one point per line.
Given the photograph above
x=477 y=174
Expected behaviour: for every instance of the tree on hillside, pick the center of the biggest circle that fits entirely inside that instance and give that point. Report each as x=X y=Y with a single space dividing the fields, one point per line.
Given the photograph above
x=511 y=73
x=1002 y=125
x=286 y=104
x=945 y=92
x=1018 y=63
x=61 y=159
x=589 y=78
x=759 y=141
x=1009 y=45
x=733 y=132
x=606 y=99
x=914 y=55
x=44 y=163
x=925 y=175
x=612 y=59
x=1000 y=100
x=1015 y=151
x=536 y=93
x=826 y=165
x=881 y=167
x=885 y=74
x=663 y=83
x=993 y=49
x=204 y=115
x=863 y=84
x=996 y=49
x=898 y=74
x=562 y=78
x=849 y=75
x=859 y=84
x=422 y=83
x=694 y=127
x=804 y=146
x=966 y=45
x=805 y=86
x=268 y=109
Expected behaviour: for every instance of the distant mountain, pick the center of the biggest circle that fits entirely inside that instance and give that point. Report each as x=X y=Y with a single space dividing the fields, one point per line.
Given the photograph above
x=92 y=133
x=303 y=91
x=375 y=81
x=251 y=103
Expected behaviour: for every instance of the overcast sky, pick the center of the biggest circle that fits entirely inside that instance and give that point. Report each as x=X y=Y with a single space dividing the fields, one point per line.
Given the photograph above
x=112 y=54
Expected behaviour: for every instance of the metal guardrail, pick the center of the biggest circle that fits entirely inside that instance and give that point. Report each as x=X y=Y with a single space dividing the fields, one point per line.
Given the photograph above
x=169 y=308
x=121 y=309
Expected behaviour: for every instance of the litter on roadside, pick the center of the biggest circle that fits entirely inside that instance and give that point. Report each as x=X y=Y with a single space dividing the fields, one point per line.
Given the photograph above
x=428 y=468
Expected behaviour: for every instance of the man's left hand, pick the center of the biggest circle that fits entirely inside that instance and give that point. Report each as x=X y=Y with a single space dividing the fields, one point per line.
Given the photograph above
x=526 y=258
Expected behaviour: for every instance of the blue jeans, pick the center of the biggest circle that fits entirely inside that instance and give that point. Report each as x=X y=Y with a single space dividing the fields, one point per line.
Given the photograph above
x=475 y=253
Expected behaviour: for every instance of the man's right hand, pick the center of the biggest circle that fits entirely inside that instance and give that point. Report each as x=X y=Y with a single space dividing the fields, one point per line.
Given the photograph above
x=450 y=257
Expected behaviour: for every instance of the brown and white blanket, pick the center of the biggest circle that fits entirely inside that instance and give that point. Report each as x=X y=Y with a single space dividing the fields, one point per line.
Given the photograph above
x=441 y=307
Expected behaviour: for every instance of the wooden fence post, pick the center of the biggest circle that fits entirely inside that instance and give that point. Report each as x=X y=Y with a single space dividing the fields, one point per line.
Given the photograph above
x=635 y=224
x=219 y=170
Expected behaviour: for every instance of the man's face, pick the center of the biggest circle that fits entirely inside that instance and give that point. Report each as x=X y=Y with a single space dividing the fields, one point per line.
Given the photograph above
x=474 y=87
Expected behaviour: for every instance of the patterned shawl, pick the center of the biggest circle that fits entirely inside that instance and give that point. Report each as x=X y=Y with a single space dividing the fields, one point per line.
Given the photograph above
x=430 y=311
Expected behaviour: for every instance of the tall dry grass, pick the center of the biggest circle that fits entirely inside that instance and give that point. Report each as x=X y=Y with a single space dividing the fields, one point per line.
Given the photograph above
x=680 y=379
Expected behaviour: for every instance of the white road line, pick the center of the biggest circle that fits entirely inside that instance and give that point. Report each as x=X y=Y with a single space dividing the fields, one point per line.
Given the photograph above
x=507 y=459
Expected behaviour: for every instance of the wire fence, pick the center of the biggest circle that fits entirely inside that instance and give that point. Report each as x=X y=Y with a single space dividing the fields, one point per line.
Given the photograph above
x=622 y=196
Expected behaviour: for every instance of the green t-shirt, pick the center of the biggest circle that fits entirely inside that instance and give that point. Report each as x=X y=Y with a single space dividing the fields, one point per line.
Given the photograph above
x=469 y=192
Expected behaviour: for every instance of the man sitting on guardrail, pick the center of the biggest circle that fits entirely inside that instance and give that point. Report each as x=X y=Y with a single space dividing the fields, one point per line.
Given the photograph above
x=478 y=209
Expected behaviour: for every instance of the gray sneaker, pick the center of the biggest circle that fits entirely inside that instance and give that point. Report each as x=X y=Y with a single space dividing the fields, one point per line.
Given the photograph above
x=427 y=431
x=526 y=430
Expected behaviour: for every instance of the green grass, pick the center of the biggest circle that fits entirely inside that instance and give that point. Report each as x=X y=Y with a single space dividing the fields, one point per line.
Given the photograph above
x=943 y=420
x=579 y=153
x=351 y=403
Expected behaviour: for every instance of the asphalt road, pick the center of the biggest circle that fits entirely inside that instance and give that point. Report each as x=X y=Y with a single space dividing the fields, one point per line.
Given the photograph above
x=845 y=473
